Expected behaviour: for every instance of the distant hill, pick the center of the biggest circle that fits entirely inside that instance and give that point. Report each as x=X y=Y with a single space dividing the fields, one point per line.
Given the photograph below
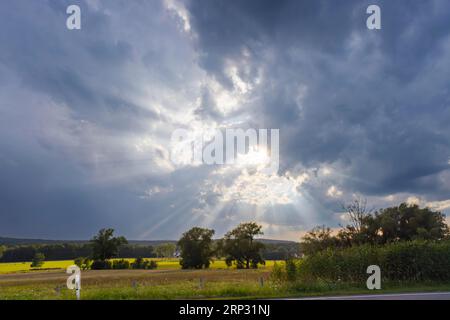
x=20 y=241
x=17 y=241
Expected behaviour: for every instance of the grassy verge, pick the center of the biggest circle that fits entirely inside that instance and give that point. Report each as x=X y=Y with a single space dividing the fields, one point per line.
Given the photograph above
x=180 y=284
x=318 y=289
x=191 y=290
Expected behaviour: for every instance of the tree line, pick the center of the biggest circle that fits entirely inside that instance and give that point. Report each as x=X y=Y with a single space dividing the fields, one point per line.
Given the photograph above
x=69 y=251
x=405 y=222
x=196 y=249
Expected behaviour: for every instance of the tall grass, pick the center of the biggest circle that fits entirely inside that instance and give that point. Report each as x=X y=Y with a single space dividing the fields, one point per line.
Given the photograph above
x=403 y=261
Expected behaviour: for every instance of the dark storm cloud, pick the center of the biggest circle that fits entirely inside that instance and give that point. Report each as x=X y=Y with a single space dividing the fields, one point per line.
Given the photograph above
x=76 y=105
x=70 y=110
x=375 y=103
x=78 y=69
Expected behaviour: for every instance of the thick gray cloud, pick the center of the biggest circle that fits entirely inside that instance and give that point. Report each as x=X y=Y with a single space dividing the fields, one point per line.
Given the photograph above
x=86 y=116
x=374 y=102
x=75 y=106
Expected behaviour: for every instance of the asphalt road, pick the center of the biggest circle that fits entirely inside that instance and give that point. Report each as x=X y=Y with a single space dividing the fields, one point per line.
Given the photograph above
x=393 y=296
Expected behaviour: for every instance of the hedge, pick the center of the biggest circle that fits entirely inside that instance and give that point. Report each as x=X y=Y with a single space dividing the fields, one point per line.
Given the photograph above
x=412 y=261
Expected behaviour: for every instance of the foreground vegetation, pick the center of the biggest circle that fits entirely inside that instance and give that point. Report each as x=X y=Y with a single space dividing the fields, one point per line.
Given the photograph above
x=413 y=262
x=190 y=284
x=406 y=267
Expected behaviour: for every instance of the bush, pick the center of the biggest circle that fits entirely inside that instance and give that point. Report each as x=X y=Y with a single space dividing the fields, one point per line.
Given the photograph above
x=152 y=265
x=413 y=261
x=101 y=265
x=141 y=263
x=83 y=263
x=418 y=260
x=38 y=260
x=278 y=273
x=138 y=263
x=121 y=264
x=291 y=270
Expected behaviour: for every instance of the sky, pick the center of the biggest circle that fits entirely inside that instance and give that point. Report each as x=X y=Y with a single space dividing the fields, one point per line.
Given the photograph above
x=87 y=116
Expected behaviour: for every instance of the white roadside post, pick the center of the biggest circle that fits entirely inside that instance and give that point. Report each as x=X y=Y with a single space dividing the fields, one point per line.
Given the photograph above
x=77 y=285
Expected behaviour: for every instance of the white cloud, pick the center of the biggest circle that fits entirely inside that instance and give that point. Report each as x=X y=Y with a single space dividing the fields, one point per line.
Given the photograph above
x=438 y=205
x=180 y=10
x=157 y=190
x=434 y=205
x=413 y=200
x=263 y=190
x=334 y=192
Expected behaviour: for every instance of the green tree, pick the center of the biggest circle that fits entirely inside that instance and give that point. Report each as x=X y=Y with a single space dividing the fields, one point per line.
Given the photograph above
x=38 y=260
x=105 y=245
x=196 y=247
x=318 y=239
x=165 y=250
x=238 y=246
x=409 y=222
x=361 y=228
x=401 y=223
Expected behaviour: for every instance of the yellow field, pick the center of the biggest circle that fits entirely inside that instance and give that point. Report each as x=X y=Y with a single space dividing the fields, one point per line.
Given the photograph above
x=25 y=266
x=163 y=264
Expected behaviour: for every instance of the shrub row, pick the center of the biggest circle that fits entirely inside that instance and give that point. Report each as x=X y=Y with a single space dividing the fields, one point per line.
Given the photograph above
x=410 y=261
x=139 y=263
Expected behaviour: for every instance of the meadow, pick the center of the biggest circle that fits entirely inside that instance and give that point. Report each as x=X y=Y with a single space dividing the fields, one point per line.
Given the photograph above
x=168 y=281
